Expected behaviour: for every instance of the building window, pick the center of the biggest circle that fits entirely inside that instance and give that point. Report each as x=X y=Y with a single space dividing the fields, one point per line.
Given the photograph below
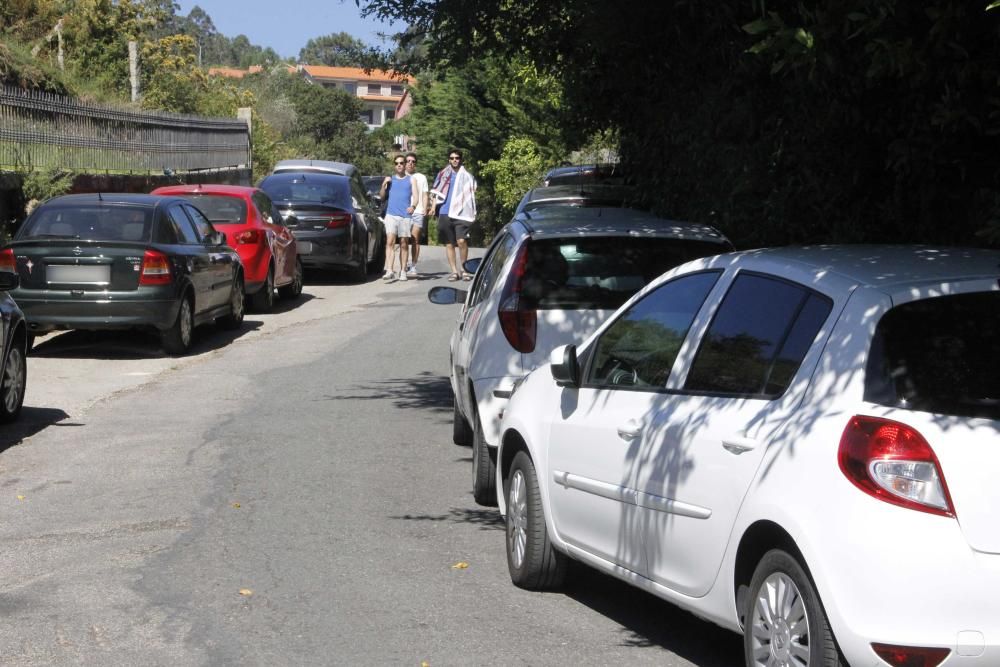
x=368 y=116
x=390 y=114
x=351 y=88
x=374 y=89
x=397 y=90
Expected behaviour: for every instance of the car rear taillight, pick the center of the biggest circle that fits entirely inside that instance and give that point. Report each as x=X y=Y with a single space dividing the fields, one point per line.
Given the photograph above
x=519 y=324
x=893 y=462
x=248 y=236
x=338 y=220
x=911 y=656
x=7 y=261
x=155 y=269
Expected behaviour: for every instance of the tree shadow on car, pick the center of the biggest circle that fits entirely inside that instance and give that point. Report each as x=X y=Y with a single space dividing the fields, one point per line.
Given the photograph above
x=424 y=391
x=132 y=344
x=28 y=423
x=648 y=621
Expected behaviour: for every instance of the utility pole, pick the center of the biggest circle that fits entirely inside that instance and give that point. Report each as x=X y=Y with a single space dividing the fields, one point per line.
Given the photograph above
x=133 y=68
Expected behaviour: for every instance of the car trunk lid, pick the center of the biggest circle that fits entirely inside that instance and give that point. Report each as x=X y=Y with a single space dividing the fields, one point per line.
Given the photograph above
x=78 y=265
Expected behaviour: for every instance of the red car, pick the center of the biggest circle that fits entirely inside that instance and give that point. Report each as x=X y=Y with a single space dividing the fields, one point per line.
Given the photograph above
x=253 y=227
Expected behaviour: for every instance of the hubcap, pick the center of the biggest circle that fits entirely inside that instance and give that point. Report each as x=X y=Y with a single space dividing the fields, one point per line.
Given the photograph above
x=13 y=379
x=517 y=519
x=237 y=304
x=780 y=625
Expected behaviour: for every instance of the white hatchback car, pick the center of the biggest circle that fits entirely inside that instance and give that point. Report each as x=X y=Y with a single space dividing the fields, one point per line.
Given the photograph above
x=550 y=277
x=798 y=444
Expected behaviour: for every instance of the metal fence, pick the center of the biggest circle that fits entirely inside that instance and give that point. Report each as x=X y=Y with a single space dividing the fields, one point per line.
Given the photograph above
x=40 y=130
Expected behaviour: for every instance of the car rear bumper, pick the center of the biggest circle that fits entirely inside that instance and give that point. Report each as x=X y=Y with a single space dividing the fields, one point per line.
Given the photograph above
x=108 y=311
x=328 y=250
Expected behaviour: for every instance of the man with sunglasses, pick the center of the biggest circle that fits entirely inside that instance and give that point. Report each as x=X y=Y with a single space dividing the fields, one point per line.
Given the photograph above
x=417 y=219
x=399 y=188
x=455 y=188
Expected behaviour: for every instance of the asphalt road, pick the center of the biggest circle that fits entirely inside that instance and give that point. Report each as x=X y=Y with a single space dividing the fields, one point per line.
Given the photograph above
x=286 y=495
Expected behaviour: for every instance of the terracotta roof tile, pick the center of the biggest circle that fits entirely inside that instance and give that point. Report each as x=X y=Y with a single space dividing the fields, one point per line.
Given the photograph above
x=353 y=73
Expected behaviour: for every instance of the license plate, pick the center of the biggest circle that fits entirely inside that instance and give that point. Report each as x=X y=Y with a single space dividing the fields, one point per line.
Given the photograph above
x=304 y=247
x=93 y=274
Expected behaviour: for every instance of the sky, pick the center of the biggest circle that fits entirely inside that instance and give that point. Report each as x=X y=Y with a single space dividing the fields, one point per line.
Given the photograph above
x=286 y=25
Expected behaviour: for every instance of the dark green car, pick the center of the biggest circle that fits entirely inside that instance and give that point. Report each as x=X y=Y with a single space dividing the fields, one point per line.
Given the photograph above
x=117 y=261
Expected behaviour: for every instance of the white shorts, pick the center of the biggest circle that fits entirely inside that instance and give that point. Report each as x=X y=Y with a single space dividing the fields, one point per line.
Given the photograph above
x=417 y=220
x=397 y=225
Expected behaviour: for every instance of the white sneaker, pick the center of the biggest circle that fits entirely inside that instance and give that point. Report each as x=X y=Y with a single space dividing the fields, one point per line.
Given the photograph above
x=402 y=276
x=389 y=276
x=412 y=271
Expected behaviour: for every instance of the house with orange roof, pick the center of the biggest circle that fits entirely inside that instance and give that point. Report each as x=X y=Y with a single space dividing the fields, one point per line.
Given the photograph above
x=380 y=91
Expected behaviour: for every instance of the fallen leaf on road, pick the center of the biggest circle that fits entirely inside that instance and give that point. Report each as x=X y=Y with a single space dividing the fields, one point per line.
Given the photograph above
x=461 y=565
x=20 y=497
x=236 y=505
x=425 y=664
x=246 y=592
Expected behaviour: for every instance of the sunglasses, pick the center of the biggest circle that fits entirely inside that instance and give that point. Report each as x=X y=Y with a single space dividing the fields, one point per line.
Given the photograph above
x=454 y=157
x=399 y=162
x=411 y=162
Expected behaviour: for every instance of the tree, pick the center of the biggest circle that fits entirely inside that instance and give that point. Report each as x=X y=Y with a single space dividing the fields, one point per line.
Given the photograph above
x=172 y=80
x=516 y=171
x=336 y=50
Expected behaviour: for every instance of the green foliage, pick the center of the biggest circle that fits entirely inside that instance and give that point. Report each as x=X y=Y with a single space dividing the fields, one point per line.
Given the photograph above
x=514 y=173
x=336 y=50
x=172 y=80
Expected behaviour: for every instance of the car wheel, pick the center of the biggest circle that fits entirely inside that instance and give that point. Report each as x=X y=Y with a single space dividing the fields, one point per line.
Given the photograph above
x=784 y=621
x=177 y=339
x=461 y=432
x=359 y=272
x=13 y=382
x=378 y=263
x=29 y=343
x=263 y=300
x=294 y=288
x=532 y=561
x=236 y=306
x=484 y=469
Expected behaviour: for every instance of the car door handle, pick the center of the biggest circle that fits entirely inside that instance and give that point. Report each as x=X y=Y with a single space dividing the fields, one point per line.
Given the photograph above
x=738 y=445
x=630 y=430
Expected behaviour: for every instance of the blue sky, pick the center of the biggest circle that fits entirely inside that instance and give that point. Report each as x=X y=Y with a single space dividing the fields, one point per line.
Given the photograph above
x=286 y=25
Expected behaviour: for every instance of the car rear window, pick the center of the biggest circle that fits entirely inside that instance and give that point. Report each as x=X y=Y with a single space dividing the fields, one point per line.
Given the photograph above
x=90 y=223
x=220 y=209
x=293 y=188
x=600 y=272
x=938 y=355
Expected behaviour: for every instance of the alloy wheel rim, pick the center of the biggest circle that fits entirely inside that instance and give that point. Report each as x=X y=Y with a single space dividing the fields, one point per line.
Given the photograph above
x=13 y=379
x=517 y=519
x=237 y=304
x=297 y=280
x=186 y=322
x=780 y=624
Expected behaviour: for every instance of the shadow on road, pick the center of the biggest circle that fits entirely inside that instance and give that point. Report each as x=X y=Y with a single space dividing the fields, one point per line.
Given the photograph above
x=649 y=621
x=29 y=422
x=424 y=391
x=486 y=518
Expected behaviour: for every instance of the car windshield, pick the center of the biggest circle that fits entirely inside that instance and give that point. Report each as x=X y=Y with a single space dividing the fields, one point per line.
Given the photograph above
x=90 y=223
x=600 y=272
x=220 y=209
x=327 y=189
x=934 y=355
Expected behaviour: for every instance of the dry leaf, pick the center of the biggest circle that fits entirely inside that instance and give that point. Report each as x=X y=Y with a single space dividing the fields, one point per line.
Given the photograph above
x=425 y=664
x=461 y=565
x=236 y=505
x=20 y=497
x=246 y=592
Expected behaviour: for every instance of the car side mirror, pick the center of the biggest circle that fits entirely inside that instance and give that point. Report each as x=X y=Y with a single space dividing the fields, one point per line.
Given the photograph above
x=472 y=265
x=444 y=296
x=9 y=280
x=217 y=238
x=564 y=366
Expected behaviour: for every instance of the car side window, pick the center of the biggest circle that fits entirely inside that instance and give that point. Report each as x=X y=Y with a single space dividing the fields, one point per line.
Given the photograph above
x=639 y=348
x=264 y=208
x=490 y=267
x=201 y=223
x=758 y=338
x=183 y=227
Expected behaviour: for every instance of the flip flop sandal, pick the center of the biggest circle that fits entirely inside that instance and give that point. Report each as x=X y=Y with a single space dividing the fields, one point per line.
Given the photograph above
x=452 y=277
x=466 y=276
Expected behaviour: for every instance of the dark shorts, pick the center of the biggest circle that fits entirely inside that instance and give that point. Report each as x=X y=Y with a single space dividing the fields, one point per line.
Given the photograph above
x=450 y=231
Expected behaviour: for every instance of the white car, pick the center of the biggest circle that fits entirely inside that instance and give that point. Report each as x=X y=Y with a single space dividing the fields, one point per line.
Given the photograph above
x=798 y=444
x=550 y=277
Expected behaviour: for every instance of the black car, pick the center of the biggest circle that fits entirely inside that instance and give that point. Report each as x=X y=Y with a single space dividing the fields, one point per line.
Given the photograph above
x=14 y=372
x=116 y=261
x=335 y=215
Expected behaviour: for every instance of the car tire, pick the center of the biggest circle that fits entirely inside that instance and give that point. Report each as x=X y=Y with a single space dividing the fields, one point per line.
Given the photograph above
x=234 y=320
x=29 y=343
x=378 y=263
x=293 y=289
x=484 y=469
x=177 y=339
x=13 y=382
x=461 y=432
x=359 y=271
x=784 y=620
x=532 y=561
x=263 y=299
